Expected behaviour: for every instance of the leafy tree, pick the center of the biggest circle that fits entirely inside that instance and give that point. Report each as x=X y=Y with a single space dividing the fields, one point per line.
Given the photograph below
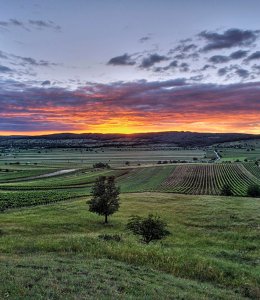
x=253 y=190
x=150 y=228
x=105 y=197
x=226 y=190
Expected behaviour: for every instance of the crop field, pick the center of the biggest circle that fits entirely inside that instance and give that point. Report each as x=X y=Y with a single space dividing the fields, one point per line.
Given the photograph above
x=253 y=168
x=50 y=246
x=209 y=179
x=194 y=179
x=240 y=154
x=115 y=157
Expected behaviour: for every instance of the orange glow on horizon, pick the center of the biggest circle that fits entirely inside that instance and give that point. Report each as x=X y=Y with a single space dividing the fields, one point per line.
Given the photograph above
x=101 y=120
x=202 y=127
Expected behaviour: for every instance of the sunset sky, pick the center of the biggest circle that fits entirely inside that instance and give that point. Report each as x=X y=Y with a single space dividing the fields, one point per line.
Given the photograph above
x=121 y=66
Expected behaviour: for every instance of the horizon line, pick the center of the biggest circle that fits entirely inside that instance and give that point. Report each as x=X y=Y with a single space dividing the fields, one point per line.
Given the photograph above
x=118 y=133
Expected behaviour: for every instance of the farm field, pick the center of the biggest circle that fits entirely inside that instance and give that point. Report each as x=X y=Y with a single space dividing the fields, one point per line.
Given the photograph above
x=50 y=245
x=45 y=180
x=115 y=157
x=239 y=154
x=55 y=251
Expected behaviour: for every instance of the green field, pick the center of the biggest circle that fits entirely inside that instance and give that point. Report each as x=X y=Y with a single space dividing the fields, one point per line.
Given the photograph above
x=115 y=157
x=239 y=154
x=49 y=241
x=54 y=252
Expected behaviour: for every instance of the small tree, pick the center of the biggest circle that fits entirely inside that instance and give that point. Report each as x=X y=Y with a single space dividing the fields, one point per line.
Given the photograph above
x=150 y=228
x=226 y=190
x=105 y=197
x=253 y=190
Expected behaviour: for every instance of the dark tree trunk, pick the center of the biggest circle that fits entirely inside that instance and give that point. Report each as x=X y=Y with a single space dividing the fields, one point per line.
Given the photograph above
x=106 y=219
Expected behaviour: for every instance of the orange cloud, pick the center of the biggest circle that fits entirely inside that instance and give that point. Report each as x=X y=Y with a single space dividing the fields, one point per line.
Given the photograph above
x=133 y=108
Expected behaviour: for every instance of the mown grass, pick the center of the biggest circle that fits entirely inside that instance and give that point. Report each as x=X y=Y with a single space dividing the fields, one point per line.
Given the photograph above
x=64 y=277
x=212 y=253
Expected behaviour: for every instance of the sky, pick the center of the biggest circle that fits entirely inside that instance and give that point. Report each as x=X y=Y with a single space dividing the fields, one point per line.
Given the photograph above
x=121 y=66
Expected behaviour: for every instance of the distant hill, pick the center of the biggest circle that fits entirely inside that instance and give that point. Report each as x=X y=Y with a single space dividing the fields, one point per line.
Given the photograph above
x=174 y=138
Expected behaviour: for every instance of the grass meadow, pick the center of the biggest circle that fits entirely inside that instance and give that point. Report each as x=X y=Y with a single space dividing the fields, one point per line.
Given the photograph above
x=54 y=251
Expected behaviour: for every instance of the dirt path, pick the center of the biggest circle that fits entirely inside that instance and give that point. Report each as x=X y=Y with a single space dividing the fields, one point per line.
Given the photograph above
x=217 y=156
x=60 y=172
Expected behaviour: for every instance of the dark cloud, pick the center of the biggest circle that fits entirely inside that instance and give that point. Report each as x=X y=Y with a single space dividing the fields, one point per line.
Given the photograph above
x=152 y=59
x=256 y=68
x=46 y=82
x=33 y=62
x=184 y=67
x=30 y=108
x=26 y=61
x=30 y=24
x=253 y=56
x=173 y=64
x=228 y=39
x=16 y=22
x=122 y=60
x=40 y=24
x=234 y=70
x=219 y=59
x=238 y=54
x=242 y=73
x=4 y=69
x=206 y=67
x=13 y=23
x=144 y=39
x=197 y=77
x=222 y=71
x=185 y=48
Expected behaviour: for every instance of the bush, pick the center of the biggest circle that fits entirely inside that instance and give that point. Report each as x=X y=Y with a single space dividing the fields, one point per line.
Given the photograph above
x=101 y=165
x=226 y=190
x=110 y=237
x=149 y=228
x=253 y=190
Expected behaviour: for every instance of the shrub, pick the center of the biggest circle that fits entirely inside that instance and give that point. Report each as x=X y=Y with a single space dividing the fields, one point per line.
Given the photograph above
x=253 y=190
x=149 y=228
x=110 y=237
x=101 y=165
x=226 y=190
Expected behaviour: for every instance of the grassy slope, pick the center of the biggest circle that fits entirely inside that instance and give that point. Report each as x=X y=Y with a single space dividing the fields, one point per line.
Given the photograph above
x=213 y=252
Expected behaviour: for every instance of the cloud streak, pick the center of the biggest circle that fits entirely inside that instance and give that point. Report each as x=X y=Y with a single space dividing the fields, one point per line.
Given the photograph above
x=30 y=24
x=122 y=60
